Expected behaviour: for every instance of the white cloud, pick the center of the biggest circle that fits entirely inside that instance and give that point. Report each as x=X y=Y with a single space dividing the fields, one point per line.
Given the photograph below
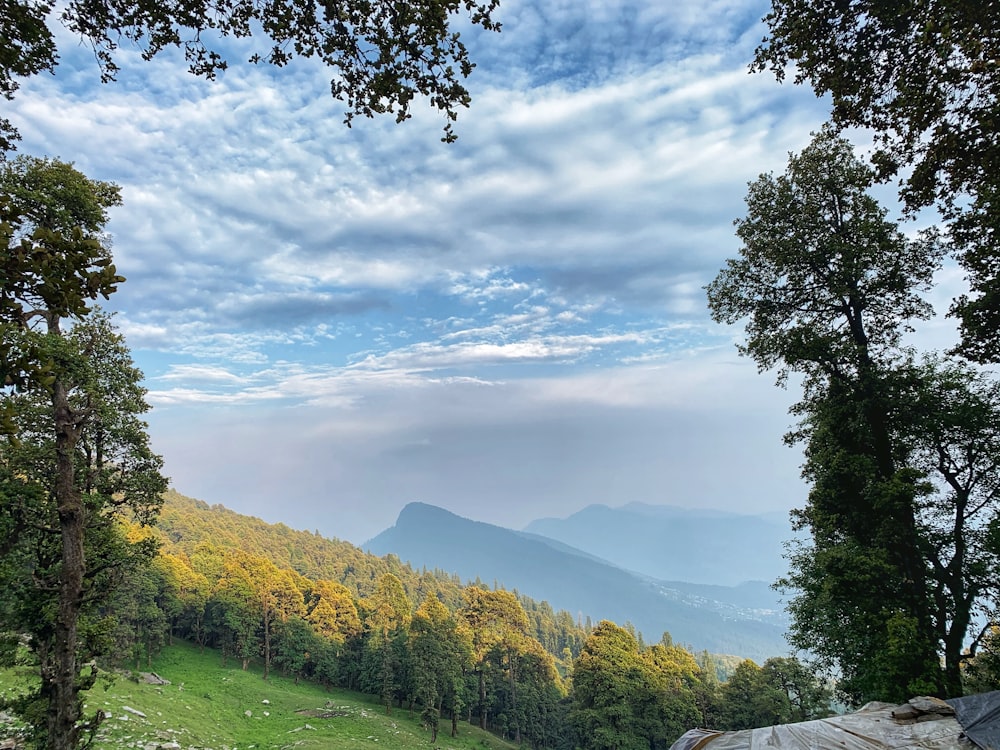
x=513 y=325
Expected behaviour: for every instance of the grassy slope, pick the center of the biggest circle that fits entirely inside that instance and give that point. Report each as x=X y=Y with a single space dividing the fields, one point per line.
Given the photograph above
x=205 y=705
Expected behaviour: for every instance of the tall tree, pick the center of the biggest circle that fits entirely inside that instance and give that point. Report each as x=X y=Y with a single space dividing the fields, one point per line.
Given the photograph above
x=382 y=53
x=82 y=464
x=828 y=286
x=497 y=623
x=922 y=75
x=440 y=653
x=386 y=622
x=613 y=689
x=54 y=264
x=955 y=439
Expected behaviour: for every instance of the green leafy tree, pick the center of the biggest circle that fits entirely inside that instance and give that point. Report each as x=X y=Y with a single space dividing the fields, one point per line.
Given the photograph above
x=923 y=77
x=141 y=624
x=439 y=656
x=235 y=611
x=672 y=706
x=386 y=622
x=782 y=691
x=982 y=671
x=382 y=53
x=827 y=286
x=77 y=464
x=296 y=646
x=610 y=684
x=746 y=702
x=183 y=597
x=804 y=695
x=497 y=624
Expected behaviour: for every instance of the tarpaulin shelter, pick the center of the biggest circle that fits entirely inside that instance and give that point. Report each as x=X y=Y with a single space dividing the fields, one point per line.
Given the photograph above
x=923 y=724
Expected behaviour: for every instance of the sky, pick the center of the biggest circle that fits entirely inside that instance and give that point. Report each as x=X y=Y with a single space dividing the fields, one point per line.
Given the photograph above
x=335 y=322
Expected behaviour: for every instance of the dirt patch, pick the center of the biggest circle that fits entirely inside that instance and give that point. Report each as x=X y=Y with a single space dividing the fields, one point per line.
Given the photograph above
x=321 y=713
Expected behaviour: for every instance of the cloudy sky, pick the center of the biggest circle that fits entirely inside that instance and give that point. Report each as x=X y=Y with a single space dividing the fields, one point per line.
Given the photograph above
x=334 y=322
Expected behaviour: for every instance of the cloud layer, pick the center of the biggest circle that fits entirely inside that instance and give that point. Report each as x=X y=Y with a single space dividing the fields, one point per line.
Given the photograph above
x=334 y=322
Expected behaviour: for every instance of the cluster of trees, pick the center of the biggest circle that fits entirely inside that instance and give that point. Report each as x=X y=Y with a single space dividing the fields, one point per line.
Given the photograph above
x=425 y=642
x=477 y=661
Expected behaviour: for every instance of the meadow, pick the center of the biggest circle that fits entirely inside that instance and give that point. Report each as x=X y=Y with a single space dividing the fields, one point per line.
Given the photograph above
x=208 y=706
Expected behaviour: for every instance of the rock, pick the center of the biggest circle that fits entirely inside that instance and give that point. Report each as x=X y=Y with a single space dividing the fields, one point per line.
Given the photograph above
x=266 y=702
x=248 y=713
x=926 y=704
x=906 y=712
x=133 y=711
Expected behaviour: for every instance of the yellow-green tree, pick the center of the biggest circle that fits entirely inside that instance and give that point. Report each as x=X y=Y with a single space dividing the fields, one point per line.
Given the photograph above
x=440 y=652
x=386 y=619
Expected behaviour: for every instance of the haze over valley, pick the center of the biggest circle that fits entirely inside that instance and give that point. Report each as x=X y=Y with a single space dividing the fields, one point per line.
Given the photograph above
x=694 y=579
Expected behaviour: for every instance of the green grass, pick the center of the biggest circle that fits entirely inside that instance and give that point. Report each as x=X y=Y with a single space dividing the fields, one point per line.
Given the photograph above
x=206 y=706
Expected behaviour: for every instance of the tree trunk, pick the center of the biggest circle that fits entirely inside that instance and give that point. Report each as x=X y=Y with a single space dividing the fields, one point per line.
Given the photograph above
x=482 y=699
x=267 y=645
x=61 y=677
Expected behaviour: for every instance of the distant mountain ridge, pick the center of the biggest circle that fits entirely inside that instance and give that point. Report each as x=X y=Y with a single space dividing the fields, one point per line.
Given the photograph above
x=670 y=543
x=732 y=620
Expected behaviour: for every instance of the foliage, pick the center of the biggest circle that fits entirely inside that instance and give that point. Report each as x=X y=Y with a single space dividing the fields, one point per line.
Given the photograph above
x=54 y=263
x=782 y=691
x=923 y=77
x=982 y=672
x=116 y=478
x=77 y=460
x=899 y=518
x=625 y=697
x=382 y=54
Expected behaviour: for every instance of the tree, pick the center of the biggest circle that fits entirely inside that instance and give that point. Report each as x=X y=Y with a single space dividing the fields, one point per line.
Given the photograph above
x=923 y=76
x=77 y=464
x=782 y=691
x=382 y=53
x=387 y=621
x=672 y=706
x=497 y=624
x=440 y=652
x=952 y=428
x=983 y=671
x=332 y=612
x=828 y=286
x=183 y=596
x=296 y=645
x=54 y=263
x=611 y=687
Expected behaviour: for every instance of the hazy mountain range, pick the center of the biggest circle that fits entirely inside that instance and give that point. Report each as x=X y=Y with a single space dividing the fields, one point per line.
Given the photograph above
x=700 y=546
x=610 y=563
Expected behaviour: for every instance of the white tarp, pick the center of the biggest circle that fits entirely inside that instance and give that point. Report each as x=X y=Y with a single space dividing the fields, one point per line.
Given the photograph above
x=872 y=728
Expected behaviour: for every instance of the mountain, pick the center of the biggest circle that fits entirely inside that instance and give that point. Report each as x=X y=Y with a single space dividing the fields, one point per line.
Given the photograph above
x=702 y=546
x=731 y=620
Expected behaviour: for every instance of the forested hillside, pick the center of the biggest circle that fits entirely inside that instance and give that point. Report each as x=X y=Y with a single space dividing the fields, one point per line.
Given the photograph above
x=322 y=610
x=718 y=619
